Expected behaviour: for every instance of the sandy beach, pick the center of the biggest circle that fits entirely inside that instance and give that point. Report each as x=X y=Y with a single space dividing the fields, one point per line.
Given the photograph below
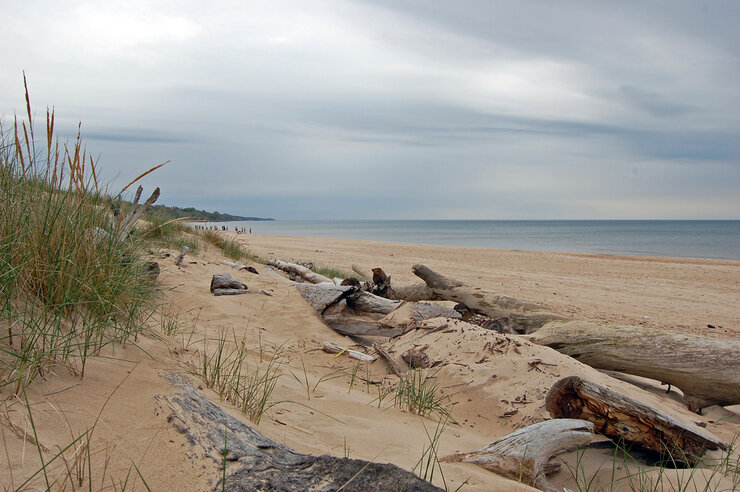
x=331 y=404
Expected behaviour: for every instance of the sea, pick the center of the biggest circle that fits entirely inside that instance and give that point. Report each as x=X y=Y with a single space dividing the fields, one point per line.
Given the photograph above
x=714 y=239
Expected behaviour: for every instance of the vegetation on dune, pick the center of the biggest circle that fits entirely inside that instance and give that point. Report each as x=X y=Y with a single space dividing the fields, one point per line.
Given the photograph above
x=69 y=285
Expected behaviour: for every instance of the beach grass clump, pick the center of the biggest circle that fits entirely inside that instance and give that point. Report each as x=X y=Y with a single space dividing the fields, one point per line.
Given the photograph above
x=231 y=249
x=226 y=372
x=418 y=392
x=68 y=285
x=170 y=232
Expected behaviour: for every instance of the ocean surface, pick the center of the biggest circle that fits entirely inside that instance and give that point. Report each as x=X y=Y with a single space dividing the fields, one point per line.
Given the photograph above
x=716 y=239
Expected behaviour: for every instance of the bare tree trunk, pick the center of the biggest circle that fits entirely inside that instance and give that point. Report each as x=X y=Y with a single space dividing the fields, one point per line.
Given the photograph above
x=526 y=316
x=263 y=464
x=524 y=454
x=301 y=271
x=706 y=370
x=621 y=418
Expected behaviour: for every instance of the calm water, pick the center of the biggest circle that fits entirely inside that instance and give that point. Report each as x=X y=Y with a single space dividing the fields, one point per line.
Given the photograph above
x=718 y=239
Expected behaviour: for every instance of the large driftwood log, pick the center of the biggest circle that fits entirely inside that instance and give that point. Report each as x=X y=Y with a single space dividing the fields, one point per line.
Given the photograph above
x=263 y=464
x=350 y=311
x=300 y=270
x=526 y=316
x=706 y=370
x=321 y=296
x=622 y=418
x=410 y=293
x=524 y=454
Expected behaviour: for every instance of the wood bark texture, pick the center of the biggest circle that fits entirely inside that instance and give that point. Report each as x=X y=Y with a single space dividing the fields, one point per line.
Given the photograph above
x=255 y=462
x=300 y=270
x=526 y=316
x=239 y=266
x=226 y=281
x=706 y=370
x=524 y=454
x=622 y=418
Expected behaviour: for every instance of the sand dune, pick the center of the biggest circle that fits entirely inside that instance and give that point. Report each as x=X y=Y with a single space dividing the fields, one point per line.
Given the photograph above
x=335 y=405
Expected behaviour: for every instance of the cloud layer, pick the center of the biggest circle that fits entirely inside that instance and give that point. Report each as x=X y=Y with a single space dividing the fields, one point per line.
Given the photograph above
x=398 y=108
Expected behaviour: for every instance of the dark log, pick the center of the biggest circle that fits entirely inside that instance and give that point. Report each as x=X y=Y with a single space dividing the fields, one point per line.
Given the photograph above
x=706 y=370
x=624 y=419
x=524 y=454
x=263 y=464
x=226 y=281
x=526 y=316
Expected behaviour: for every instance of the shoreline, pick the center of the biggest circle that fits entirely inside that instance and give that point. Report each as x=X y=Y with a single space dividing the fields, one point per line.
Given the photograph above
x=678 y=294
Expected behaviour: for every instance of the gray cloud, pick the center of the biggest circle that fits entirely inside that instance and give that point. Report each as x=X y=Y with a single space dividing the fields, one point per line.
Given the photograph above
x=398 y=109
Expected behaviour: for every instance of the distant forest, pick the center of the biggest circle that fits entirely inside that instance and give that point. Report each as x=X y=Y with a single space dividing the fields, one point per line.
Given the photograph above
x=163 y=212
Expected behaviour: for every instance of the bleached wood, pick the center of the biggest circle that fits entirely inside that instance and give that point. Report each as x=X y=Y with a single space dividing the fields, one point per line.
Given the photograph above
x=335 y=348
x=623 y=418
x=239 y=266
x=524 y=454
x=321 y=296
x=181 y=256
x=706 y=370
x=299 y=270
x=226 y=281
x=527 y=316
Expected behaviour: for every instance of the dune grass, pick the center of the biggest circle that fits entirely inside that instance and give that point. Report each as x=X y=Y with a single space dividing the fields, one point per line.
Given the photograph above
x=68 y=285
x=232 y=249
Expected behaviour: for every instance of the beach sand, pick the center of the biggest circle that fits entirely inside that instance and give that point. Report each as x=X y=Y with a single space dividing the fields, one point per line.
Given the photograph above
x=324 y=409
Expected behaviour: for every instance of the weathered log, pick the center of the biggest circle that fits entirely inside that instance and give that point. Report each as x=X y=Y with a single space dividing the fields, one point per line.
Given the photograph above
x=527 y=316
x=239 y=266
x=234 y=292
x=410 y=293
x=321 y=296
x=622 y=418
x=335 y=348
x=354 y=326
x=126 y=224
x=226 y=281
x=181 y=256
x=706 y=370
x=524 y=454
x=264 y=464
x=395 y=366
x=299 y=270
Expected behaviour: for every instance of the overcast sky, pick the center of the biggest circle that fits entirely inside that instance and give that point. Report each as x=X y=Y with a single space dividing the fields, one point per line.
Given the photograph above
x=396 y=109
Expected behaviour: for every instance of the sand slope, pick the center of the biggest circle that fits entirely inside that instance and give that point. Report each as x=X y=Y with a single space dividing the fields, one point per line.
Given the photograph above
x=335 y=405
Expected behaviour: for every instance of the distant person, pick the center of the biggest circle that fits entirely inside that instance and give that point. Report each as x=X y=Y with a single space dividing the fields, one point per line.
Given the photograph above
x=250 y=230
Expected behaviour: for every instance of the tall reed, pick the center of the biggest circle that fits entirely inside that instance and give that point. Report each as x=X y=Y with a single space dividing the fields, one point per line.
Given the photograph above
x=67 y=289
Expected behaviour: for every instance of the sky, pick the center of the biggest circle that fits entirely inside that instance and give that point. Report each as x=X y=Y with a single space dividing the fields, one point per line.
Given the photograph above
x=395 y=109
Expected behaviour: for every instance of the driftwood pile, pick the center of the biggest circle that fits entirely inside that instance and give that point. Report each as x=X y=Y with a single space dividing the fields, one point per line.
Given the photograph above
x=705 y=369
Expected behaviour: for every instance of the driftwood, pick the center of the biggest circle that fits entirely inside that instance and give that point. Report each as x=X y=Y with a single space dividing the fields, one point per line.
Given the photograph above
x=126 y=223
x=263 y=464
x=226 y=281
x=622 y=418
x=351 y=311
x=321 y=296
x=239 y=266
x=410 y=293
x=527 y=317
x=395 y=366
x=524 y=455
x=300 y=270
x=181 y=256
x=334 y=348
x=706 y=370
